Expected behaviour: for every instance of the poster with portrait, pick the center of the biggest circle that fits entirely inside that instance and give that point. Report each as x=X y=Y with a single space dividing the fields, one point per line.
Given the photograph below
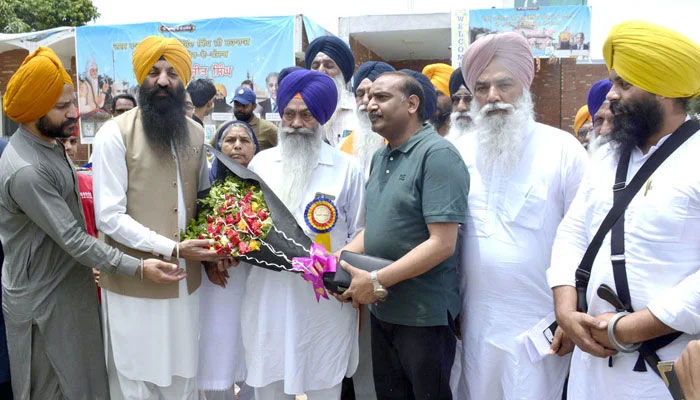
x=225 y=50
x=552 y=31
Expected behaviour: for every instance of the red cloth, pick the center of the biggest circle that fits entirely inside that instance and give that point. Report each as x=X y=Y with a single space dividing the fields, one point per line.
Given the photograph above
x=85 y=187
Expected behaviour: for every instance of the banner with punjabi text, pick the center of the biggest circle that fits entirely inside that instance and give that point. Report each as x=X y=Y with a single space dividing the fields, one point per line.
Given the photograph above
x=225 y=50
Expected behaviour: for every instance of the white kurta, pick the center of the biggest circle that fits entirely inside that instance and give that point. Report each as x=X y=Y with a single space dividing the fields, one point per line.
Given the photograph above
x=287 y=334
x=152 y=340
x=344 y=120
x=221 y=357
x=662 y=251
x=505 y=252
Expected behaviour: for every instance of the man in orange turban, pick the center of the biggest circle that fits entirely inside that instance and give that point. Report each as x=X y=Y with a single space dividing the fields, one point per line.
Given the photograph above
x=48 y=290
x=582 y=124
x=148 y=166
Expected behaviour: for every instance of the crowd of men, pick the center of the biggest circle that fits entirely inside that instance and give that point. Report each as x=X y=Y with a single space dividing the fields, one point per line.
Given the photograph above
x=509 y=274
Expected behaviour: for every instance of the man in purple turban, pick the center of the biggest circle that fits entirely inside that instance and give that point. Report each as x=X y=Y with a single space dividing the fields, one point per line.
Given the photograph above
x=333 y=57
x=599 y=107
x=294 y=344
x=523 y=177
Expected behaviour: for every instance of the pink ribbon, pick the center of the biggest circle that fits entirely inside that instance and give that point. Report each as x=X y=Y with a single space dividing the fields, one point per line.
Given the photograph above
x=314 y=267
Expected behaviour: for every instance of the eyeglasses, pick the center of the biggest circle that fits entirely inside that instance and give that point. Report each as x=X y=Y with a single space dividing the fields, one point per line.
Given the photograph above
x=466 y=98
x=121 y=111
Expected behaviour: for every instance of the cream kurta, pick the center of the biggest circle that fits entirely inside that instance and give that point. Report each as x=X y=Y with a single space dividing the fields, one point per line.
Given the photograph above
x=287 y=334
x=662 y=251
x=505 y=252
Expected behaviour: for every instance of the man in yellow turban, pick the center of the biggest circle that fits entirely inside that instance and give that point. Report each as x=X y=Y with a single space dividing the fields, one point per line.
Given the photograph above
x=582 y=124
x=51 y=313
x=439 y=75
x=655 y=266
x=149 y=165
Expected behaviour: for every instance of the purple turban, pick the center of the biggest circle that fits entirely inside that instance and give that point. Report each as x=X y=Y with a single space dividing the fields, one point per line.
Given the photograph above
x=511 y=49
x=596 y=95
x=316 y=89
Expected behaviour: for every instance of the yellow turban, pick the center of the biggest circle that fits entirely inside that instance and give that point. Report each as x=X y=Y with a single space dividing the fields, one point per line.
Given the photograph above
x=152 y=48
x=439 y=75
x=36 y=86
x=220 y=88
x=582 y=115
x=654 y=58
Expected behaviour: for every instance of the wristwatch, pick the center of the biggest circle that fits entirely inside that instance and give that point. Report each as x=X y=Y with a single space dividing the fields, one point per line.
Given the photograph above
x=379 y=290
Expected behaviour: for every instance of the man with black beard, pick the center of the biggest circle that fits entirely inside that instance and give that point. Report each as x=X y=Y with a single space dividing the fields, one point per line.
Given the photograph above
x=293 y=343
x=243 y=109
x=148 y=166
x=460 y=120
x=51 y=313
x=656 y=256
x=523 y=175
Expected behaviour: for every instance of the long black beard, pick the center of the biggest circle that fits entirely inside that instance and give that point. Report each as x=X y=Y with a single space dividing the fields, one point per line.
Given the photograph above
x=163 y=118
x=635 y=123
x=55 y=131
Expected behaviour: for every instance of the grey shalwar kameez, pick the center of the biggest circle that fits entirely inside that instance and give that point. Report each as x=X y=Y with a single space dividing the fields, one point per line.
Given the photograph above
x=49 y=297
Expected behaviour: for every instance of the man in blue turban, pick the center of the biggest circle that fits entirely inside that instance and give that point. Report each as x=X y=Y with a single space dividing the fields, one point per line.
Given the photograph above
x=428 y=91
x=599 y=108
x=290 y=346
x=363 y=142
x=461 y=97
x=333 y=57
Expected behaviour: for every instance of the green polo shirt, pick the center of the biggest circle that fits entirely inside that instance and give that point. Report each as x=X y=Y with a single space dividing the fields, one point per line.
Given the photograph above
x=422 y=181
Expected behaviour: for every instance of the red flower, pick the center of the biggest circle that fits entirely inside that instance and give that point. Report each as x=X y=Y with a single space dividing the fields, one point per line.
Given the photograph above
x=210 y=219
x=229 y=220
x=262 y=215
x=243 y=248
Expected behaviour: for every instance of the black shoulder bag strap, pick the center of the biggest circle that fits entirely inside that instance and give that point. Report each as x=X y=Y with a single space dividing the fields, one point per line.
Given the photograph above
x=622 y=196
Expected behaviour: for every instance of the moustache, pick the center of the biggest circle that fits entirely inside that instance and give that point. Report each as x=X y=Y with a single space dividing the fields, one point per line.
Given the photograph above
x=297 y=131
x=499 y=106
x=362 y=108
x=618 y=108
x=461 y=114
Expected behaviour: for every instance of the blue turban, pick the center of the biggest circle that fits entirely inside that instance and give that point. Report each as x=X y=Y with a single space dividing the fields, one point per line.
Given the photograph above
x=336 y=49
x=428 y=91
x=370 y=70
x=596 y=95
x=218 y=171
x=317 y=90
x=456 y=81
x=286 y=71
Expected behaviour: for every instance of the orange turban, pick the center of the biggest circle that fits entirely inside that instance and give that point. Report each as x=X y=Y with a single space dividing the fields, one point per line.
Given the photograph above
x=581 y=117
x=36 y=86
x=152 y=48
x=439 y=75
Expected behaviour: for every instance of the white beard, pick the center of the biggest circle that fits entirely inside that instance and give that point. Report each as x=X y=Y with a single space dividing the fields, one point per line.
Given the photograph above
x=458 y=127
x=366 y=142
x=595 y=142
x=299 y=151
x=335 y=123
x=501 y=136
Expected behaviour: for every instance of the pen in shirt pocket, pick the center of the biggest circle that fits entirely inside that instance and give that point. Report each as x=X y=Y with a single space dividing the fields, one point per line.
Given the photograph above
x=648 y=186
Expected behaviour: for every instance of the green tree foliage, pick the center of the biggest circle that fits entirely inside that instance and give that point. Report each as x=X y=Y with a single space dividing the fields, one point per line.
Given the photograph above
x=18 y=16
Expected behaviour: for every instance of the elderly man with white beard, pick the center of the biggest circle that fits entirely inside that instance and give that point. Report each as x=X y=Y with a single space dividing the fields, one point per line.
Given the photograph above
x=524 y=176
x=333 y=57
x=363 y=142
x=294 y=344
x=460 y=120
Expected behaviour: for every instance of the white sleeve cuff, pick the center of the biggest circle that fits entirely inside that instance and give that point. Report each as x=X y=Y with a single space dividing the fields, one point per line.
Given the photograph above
x=163 y=246
x=560 y=277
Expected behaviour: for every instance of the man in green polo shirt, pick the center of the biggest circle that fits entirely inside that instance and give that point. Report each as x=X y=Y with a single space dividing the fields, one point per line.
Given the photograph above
x=416 y=196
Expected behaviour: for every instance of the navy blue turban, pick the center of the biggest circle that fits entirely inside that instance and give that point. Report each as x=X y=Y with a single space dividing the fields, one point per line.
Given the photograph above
x=370 y=70
x=596 y=95
x=428 y=91
x=456 y=81
x=316 y=89
x=336 y=49
x=286 y=71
